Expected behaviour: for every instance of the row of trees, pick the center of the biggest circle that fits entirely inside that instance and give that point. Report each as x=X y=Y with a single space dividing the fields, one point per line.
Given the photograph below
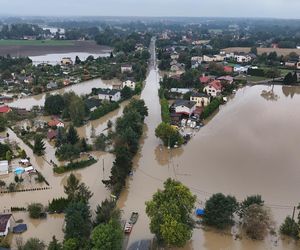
x=128 y=130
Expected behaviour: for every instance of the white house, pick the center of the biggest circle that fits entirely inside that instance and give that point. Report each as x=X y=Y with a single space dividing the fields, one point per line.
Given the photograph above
x=130 y=83
x=66 y=61
x=214 y=88
x=109 y=94
x=174 y=56
x=3 y=167
x=196 y=61
x=126 y=68
x=184 y=107
x=201 y=99
x=181 y=91
x=243 y=58
x=5 y=224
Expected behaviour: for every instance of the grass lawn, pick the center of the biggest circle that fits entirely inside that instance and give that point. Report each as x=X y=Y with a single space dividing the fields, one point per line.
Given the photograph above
x=36 y=42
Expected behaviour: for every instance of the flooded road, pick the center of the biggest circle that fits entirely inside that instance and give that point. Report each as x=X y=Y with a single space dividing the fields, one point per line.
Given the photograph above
x=79 y=88
x=250 y=147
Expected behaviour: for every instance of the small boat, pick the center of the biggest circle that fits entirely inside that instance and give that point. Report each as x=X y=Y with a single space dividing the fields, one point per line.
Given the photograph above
x=134 y=217
x=128 y=228
x=19 y=228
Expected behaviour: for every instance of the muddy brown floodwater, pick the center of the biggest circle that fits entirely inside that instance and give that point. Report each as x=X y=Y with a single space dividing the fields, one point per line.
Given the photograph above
x=251 y=146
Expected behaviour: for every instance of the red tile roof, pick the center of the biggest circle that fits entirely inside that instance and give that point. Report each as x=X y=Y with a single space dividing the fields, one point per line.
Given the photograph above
x=54 y=123
x=4 y=218
x=204 y=79
x=5 y=109
x=216 y=84
x=228 y=69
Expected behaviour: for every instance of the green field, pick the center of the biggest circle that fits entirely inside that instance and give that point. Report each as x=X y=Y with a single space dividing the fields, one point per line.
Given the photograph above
x=36 y=43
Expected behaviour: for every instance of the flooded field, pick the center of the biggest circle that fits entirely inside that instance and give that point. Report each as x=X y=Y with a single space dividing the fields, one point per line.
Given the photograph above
x=54 y=59
x=80 y=89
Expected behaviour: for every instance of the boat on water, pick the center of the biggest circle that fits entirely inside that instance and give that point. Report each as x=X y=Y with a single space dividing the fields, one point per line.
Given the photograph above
x=128 y=228
x=134 y=217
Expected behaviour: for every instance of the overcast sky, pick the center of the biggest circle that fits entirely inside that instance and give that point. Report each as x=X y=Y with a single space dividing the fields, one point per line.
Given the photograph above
x=195 y=8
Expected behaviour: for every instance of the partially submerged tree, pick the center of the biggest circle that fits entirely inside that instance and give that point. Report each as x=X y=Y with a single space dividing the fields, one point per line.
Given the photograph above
x=39 y=145
x=219 y=210
x=169 y=213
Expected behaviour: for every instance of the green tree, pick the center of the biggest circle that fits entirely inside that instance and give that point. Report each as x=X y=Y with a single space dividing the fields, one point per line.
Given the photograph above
x=72 y=187
x=219 y=210
x=100 y=142
x=107 y=236
x=168 y=134
x=23 y=154
x=126 y=93
x=78 y=221
x=77 y=110
x=257 y=221
x=288 y=79
x=72 y=135
x=71 y=244
x=169 y=212
x=54 y=104
x=9 y=155
x=54 y=244
x=39 y=145
x=250 y=200
x=106 y=212
x=3 y=123
x=35 y=210
x=290 y=228
x=34 y=244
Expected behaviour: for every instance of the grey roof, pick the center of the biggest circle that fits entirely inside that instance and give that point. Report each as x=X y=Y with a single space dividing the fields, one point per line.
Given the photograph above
x=107 y=91
x=196 y=94
x=186 y=103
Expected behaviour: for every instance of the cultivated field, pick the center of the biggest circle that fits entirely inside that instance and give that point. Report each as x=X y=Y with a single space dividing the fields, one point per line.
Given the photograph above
x=35 y=43
x=37 y=48
x=279 y=51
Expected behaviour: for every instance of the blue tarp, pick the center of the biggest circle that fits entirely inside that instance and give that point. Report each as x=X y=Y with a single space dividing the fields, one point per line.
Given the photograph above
x=199 y=212
x=20 y=228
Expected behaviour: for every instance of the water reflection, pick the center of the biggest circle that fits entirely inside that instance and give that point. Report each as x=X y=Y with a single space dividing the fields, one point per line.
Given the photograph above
x=270 y=95
x=290 y=90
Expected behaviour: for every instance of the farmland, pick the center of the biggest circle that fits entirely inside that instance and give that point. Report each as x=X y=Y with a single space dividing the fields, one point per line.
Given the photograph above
x=279 y=51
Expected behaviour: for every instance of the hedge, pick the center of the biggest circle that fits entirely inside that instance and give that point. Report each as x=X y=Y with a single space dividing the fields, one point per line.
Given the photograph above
x=210 y=108
x=165 y=112
x=74 y=165
x=104 y=109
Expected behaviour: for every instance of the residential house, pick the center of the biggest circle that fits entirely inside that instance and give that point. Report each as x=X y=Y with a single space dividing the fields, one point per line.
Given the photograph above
x=174 y=56
x=139 y=47
x=243 y=57
x=4 y=109
x=240 y=69
x=3 y=167
x=4 y=99
x=92 y=103
x=293 y=64
x=178 y=67
x=51 y=134
x=196 y=61
x=213 y=88
x=52 y=85
x=204 y=79
x=126 y=68
x=56 y=123
x=109 y=94
x=181 y=91
x=130 y=83
x=214 y=58
x=201 y=99
x=66 y=61
x=6 y=221
x=184 y=107
x=226 y=79
x=228 y=69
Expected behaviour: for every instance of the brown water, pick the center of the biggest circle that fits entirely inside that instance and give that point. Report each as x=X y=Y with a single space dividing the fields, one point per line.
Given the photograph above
x=80 y=89
x=249 y=147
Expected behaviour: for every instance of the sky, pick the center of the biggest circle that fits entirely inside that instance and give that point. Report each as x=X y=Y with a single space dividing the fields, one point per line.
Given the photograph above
x=186 y=8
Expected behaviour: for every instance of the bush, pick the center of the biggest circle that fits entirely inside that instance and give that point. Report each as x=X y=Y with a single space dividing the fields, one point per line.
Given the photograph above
x=74 y=165
x=67 y=152
x=104 y=109
x=35 y=210
x=210 y=108
x=290 y=228
x=165 y=112
x=58 y=205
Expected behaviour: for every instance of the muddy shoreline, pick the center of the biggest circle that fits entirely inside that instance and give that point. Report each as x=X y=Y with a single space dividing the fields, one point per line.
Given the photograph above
x=38 y=50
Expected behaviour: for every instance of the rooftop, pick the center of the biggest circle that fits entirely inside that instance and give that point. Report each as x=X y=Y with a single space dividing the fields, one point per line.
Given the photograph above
x=186 y=103
x=4 y=218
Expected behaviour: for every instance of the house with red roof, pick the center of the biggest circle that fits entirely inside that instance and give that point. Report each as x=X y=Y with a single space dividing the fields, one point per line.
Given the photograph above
x=5 y=224
x=213 y=88
x=4 y=109
x=56 y=123
x=228 y=69
x=204 y=79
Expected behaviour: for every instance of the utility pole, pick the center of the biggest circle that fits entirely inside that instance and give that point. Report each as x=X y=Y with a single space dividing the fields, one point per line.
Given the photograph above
x=293 y=213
